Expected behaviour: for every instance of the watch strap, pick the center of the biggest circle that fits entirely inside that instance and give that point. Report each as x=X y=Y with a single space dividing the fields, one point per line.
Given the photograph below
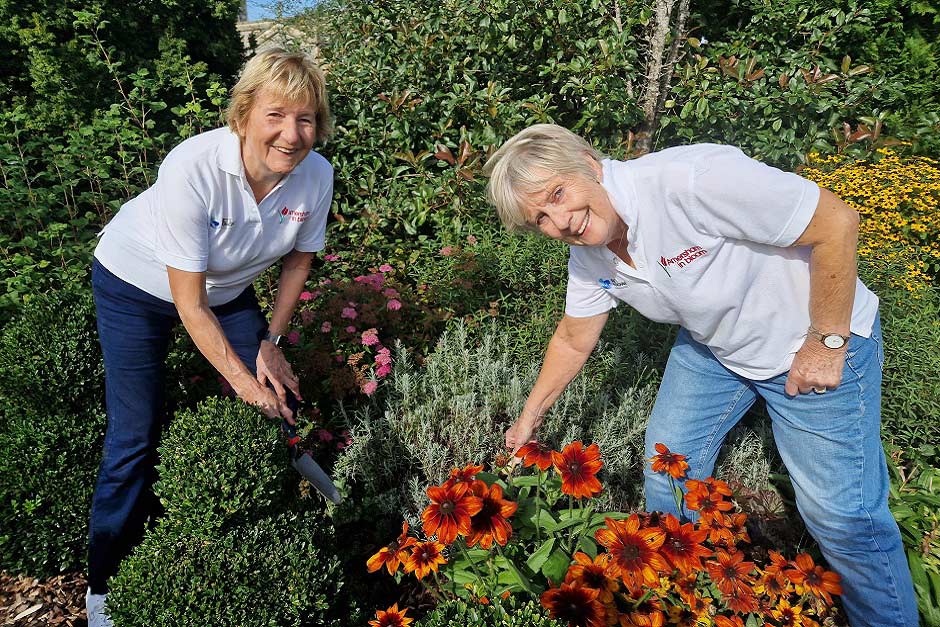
x=277 y=340
x=819 y=335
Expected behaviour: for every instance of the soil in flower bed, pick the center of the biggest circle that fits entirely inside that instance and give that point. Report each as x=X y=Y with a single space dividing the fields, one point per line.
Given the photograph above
x=56 y=601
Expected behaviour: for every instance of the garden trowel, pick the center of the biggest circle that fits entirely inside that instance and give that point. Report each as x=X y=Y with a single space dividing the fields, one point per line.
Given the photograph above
x=307 y=467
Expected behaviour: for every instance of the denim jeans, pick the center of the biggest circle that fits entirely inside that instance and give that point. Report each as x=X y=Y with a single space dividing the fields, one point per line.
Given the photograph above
x=134 y=330
x=831 y=445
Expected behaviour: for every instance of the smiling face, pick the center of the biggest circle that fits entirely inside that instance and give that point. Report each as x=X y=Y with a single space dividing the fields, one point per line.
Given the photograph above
x=276 y=137
x=574 y=210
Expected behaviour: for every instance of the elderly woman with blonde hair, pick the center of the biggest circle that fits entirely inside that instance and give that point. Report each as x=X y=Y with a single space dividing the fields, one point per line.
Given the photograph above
x=226 y=205
x=758 y=269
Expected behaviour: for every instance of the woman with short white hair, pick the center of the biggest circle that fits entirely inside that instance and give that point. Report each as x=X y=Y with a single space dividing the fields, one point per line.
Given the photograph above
x=758 y=268
x=226 y=205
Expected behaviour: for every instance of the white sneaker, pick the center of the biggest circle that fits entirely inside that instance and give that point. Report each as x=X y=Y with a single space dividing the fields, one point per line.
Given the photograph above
x=94 y=606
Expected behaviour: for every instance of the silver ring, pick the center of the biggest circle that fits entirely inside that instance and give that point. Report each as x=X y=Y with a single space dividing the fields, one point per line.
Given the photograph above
x=820 y=390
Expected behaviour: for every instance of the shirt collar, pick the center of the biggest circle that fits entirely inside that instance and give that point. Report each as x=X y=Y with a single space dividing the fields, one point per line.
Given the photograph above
x=229 y=156
x=618 y=181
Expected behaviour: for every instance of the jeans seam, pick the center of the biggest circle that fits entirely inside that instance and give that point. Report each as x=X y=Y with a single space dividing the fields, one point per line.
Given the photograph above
x=718 y=423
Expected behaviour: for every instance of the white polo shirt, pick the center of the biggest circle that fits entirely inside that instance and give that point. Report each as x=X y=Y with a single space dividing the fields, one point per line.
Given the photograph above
x=201 y=216
x=708 y=231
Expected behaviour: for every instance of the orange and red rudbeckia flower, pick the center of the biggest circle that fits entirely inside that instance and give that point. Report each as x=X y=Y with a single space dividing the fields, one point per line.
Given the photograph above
x=466 y=476
x=592 y=573
x=449 y=512
x=728 y=621
x=682 y=546
x=393 y=553
x=578 y=466
x=666 y=461
x=575 y=606
x=634 y=552
x=818 y=581
x=424 y=558
x=392 y=617
x=729 y=571
x=537 y=454
x=490 y=522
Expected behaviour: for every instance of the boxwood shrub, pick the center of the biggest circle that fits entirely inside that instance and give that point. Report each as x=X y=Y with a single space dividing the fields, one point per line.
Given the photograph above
x=223 y=463
x=50 y=358
x=513 y=613
x=48 y=465
x=271 y=572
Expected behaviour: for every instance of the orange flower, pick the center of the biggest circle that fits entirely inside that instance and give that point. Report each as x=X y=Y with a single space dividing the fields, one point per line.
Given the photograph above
x=740 y=600
x=787 y=615
x=536 y=453
x=682 y=544
x=773 y=582
x=668 y=462
x=820 y=582
x=449 y=512
x=575 y=605
x=466 y=476
x=708 y=497
x=730 y=572
x=393 y=553
x=391 y=617
x=425 y=557
x=728 y=621
x=634 y=552
x=577 y=467
x=589 y=573
x=490 y=523
x=648 y=613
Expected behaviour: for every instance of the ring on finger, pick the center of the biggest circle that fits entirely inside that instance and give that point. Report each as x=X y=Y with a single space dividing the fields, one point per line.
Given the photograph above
x=820 y=390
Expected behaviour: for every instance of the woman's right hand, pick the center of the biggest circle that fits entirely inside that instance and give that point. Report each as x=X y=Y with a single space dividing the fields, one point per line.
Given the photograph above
x=266 y=400
x=520 y=433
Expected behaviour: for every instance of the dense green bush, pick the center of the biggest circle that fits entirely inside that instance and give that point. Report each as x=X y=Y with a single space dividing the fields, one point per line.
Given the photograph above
x=509 y=613
x=221 y=464
x=50 y=359
x=237 y=543
x=268 y=572
x=48 y=464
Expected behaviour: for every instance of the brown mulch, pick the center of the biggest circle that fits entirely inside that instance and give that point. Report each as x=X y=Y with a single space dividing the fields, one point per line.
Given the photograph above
x=56 y=601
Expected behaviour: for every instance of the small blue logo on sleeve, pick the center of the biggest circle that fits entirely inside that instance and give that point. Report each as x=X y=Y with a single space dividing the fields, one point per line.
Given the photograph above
x=605 y=283
x=214 y=224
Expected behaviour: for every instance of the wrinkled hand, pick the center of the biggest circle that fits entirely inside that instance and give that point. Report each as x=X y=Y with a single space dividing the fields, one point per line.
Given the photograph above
x=266 y=400
x=272 y=367
x=520 y=433
x=815 y=366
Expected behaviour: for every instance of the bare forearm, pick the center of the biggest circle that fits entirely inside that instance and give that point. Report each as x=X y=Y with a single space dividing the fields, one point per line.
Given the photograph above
x=294 y=276
x=833 y=273
x=204 y=328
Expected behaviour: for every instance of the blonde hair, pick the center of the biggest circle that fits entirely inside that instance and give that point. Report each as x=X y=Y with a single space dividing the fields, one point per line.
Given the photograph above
x=524 y=164
x=293 y=76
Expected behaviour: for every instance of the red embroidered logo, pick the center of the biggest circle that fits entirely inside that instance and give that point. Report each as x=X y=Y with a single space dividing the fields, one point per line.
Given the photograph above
x=293 y=215
x=683 y=259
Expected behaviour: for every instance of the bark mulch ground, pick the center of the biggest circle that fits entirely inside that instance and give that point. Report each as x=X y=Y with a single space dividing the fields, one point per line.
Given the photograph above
x=56 y=601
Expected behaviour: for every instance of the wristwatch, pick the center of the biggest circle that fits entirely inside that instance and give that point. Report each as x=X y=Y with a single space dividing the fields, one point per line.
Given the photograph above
x=277 y=340
x=829 y=340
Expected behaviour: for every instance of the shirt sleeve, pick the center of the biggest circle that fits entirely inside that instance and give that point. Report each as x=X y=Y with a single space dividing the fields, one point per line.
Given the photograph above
x=731 y=195
x=585 y=296
x=311 y=237
x=181 y=221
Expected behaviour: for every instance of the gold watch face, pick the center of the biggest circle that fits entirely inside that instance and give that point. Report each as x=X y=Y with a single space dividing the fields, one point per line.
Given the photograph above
x=833 y=341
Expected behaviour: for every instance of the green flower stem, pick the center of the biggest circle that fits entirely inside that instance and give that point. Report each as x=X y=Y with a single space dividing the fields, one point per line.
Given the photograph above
x=476 y=572
x=538 y=506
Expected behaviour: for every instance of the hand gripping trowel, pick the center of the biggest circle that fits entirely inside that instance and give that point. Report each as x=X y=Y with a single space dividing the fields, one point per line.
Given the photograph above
x=307 y=467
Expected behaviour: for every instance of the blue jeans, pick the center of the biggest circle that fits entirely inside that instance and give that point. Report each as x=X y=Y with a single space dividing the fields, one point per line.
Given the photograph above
x=831 y=445
x=134 y=330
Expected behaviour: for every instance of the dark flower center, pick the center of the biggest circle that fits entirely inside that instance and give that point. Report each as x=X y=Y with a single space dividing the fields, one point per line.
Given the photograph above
x=677 y=545
x=574 y=467
x=393 y=546
x=630 y=552
x=447 y=507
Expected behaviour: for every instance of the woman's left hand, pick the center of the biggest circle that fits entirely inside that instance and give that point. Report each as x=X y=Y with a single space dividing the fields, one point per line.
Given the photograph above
x=815 y=369
x=274 y=369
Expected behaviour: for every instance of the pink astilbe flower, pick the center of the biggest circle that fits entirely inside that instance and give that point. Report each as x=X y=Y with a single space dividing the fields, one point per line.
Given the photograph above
x=383 y=357
x=385 y=268
x=307 y=316
x=324 y=436
x=390 y=292
x=326 y=327
x=349 y=313
x=472 y=240
x=447 y=251
x=394 y=304
x=293 y=337
x=370 y=387
x=382 y=371
x=305 y=295
x=331 y=257
x=350 y=329
x=375 y=280
x=370 y=337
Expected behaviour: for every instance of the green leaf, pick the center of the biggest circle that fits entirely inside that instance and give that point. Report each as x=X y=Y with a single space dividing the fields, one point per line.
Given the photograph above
x=556 y=566
x=540 y=556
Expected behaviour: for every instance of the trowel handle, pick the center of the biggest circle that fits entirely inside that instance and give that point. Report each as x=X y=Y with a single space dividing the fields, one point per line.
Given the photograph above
x=290 y=431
